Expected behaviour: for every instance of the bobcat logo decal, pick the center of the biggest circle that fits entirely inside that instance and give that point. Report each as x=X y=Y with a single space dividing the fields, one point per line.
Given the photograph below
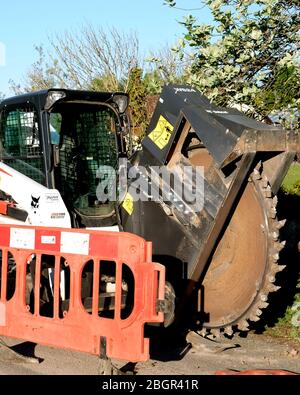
x=35 y=202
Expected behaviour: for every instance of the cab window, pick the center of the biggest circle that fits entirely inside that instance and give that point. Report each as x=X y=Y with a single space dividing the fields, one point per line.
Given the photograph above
x=20 y=142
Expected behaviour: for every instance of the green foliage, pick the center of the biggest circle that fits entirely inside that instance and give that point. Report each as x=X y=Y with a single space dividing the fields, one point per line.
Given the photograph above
x=285 y=327
x=281 y=90
x=138 y=101
x=282 y=93
x=249 y=55
x=104 y=83
x=296 y=188
x=153 y=83
x=169 y=66
x=289 y=324
x=291 y=182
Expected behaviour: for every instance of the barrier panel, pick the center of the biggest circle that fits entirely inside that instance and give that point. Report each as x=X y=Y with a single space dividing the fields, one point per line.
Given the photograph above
x=89 y=291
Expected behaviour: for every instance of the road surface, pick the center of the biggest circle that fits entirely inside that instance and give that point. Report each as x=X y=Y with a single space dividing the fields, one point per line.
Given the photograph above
x=197 y=357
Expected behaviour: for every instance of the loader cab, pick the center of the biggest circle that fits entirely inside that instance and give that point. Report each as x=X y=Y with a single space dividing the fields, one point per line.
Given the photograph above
x=70 y=141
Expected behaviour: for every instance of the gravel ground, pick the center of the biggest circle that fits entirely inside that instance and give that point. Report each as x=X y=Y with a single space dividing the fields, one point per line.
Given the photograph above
x=198 y=356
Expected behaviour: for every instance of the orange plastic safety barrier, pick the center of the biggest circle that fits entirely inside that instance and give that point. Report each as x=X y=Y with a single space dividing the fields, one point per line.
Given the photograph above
x=78 y=328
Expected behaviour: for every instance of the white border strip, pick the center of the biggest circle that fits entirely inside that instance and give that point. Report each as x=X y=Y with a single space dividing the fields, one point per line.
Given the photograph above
x=74 y=243
x=22 y=238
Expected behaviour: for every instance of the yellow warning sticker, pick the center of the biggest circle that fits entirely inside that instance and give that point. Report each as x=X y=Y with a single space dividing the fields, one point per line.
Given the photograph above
x=162 y=133
x=128 y=203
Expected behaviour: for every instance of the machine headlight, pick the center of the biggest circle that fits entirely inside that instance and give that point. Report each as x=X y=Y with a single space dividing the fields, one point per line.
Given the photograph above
x=53 y=97
x=122 y=102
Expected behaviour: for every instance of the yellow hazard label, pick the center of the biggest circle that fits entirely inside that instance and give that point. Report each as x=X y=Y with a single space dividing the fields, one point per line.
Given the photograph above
x=128 y=203
x=162 y=133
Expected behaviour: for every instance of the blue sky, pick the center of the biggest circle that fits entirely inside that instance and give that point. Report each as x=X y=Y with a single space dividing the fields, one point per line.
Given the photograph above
x=24 y=24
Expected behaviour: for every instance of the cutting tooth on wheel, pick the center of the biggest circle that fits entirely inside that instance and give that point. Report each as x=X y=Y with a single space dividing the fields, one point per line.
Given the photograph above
x=280 y=224
x=280 y=246
x=203 y=332
x=263 y=297
x=256 y=174
x=216 y=333
x=273 y=288
x=265 y=182
x=257 y=312
x=275 y=257
x=258 y=166
x=243 y=325
x=273 y=213
x=277 y=268
x=280 y=268
x=228 y=330
x=272 y=278
x=263 y=305
x=268 y=192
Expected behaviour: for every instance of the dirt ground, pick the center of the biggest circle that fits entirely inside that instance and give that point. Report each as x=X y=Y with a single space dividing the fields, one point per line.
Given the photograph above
x=198 y=356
